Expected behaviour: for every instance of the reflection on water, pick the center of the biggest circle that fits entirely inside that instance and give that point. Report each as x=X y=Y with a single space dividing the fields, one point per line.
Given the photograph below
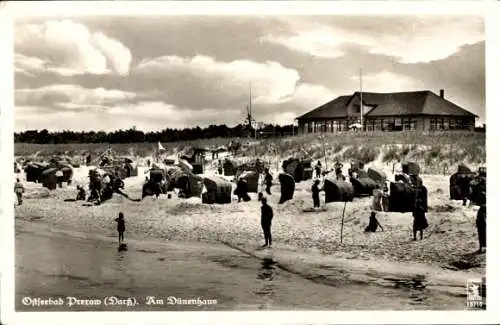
x=59 y=266
x=267 y=270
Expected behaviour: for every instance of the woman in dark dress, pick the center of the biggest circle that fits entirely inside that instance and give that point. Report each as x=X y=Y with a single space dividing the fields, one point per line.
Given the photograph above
x=419 y=220
x=481 y=227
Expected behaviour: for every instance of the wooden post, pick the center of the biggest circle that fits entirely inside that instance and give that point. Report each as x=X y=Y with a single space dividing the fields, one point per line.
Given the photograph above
x=342 y=224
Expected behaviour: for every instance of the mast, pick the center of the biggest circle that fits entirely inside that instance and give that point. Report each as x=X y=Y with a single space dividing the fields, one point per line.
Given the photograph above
x=361 y=97
x=251 y=118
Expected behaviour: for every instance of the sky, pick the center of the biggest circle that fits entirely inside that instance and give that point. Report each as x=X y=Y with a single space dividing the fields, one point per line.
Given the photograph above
x=109 y=73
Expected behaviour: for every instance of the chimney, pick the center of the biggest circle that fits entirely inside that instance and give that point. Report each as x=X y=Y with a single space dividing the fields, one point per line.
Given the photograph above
x=441 y=93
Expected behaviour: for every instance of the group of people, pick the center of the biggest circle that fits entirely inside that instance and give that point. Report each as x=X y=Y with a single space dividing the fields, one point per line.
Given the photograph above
x=320 y=172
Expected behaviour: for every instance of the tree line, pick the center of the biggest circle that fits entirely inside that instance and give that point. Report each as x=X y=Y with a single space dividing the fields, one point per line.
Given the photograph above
x=133 y=135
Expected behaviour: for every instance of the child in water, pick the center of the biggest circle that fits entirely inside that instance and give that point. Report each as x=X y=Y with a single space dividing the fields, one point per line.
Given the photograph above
x=121 y=227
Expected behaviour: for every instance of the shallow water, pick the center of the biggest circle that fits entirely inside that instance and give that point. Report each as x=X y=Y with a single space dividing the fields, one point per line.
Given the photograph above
x=57 y=265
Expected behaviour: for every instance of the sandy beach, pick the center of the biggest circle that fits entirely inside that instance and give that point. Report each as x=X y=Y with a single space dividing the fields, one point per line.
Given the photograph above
x=306 y=244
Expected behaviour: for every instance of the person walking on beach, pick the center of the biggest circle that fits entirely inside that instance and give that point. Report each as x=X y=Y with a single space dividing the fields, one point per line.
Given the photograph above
x=121 y=227
x=19 y=190
x=377 y=198
x=373 y=224
x=220 y=169
x=268 y=180
x=315 y=193
x=481 y=227
x=338 y=167
x=318 y=169
x=419 y=219
x=266 y=218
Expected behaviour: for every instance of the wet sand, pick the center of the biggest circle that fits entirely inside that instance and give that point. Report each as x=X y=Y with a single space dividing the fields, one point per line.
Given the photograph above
x=60 y=264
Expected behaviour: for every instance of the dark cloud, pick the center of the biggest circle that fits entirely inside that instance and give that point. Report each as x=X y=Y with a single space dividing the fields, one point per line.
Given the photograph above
x=304 y=79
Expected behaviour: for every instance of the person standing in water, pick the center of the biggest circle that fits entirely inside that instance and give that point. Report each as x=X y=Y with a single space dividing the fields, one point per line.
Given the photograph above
x=266 y=218
x=121 y=227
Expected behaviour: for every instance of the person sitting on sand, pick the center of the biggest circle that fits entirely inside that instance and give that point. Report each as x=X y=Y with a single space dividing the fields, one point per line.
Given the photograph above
x=120 y=227
x=266 y=218
x=80 y=196
x=481 y=227
x=315 y=193
x=419 y=219
x=19 y=190
x=373 y=223
x=119 y=185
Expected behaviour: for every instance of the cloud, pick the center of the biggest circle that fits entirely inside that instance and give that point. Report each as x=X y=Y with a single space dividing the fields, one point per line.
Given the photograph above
x=68 y=48
x=71 y=97
x=269 y=81
x=388 y=82
x=431 y=38
x=294 y=64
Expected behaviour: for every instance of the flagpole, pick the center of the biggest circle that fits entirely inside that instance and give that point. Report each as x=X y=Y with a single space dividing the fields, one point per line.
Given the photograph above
x=361 y=97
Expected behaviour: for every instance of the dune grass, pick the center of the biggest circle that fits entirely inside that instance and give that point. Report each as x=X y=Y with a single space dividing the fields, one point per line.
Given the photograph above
x=432 y=149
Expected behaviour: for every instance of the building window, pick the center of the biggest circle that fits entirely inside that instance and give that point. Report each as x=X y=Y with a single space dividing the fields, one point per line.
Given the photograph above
x=406 y=124
x=386 y=124
x=439 y=123
x=344 y=125
x=446 y=124
x=459 y=124
x=433 y=124
x=409 y=124
x=397 y=121
x=369 y=125
x=413 y=124
x=452 y=123
x=378 y=125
